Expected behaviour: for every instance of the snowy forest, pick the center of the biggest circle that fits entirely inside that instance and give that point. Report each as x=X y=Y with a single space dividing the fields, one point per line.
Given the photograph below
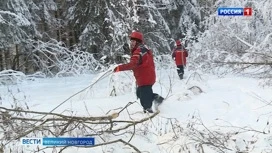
x=65 y=38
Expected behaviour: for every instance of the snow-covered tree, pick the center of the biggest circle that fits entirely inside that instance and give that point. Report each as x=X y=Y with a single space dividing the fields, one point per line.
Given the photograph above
x=167 y=20
x=16 y=28
x=16 y=23
x=35 y=37
x=242 y=42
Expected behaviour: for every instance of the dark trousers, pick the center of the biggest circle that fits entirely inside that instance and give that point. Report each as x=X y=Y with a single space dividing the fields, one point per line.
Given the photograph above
x=180 y=69
x=146 y=95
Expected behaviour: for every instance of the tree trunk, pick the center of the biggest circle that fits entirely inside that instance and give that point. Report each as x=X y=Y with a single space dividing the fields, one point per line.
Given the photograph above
x=58 y=31
x=26 y=65
x=18 y=55
x=1 y=60
x=7 y=59
x=15 y=61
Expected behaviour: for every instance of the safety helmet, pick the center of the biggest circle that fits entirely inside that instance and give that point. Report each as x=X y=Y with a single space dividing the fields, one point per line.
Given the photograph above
x=178 y=42
x=137 y=35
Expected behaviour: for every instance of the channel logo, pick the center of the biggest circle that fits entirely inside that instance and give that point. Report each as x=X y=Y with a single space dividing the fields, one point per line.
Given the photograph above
x=223 y=11
x=31 y=141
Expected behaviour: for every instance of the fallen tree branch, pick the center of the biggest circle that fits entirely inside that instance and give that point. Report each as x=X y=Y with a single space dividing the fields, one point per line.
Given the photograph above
x=60 y=125
x=131 y=124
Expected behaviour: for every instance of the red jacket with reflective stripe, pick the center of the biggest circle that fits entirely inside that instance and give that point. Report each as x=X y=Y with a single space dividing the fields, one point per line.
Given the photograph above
x=180 y=54
x=142 y=65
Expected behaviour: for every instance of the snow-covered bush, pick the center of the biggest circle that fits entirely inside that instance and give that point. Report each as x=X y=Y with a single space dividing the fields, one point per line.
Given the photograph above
x=8 y=77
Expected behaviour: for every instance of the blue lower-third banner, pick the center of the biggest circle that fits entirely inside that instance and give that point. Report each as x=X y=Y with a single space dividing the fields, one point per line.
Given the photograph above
x=67 y=141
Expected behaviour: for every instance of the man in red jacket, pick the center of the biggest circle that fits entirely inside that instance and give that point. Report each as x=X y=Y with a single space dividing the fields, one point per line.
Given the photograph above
x=143 y=67
x=180 y=54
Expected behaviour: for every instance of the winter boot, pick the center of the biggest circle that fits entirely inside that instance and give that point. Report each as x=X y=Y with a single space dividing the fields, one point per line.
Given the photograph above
x=158 y=99
x=149 y=110
x=181 y=76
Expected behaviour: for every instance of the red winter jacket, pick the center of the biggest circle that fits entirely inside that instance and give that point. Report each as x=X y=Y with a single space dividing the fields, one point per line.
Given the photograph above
x=180 y=54
x=142 y=65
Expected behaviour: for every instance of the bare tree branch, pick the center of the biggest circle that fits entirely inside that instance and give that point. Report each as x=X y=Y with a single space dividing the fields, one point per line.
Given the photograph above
x=59 y=124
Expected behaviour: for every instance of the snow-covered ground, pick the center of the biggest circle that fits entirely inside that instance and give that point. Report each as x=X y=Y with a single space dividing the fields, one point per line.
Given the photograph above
x=200 y=112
